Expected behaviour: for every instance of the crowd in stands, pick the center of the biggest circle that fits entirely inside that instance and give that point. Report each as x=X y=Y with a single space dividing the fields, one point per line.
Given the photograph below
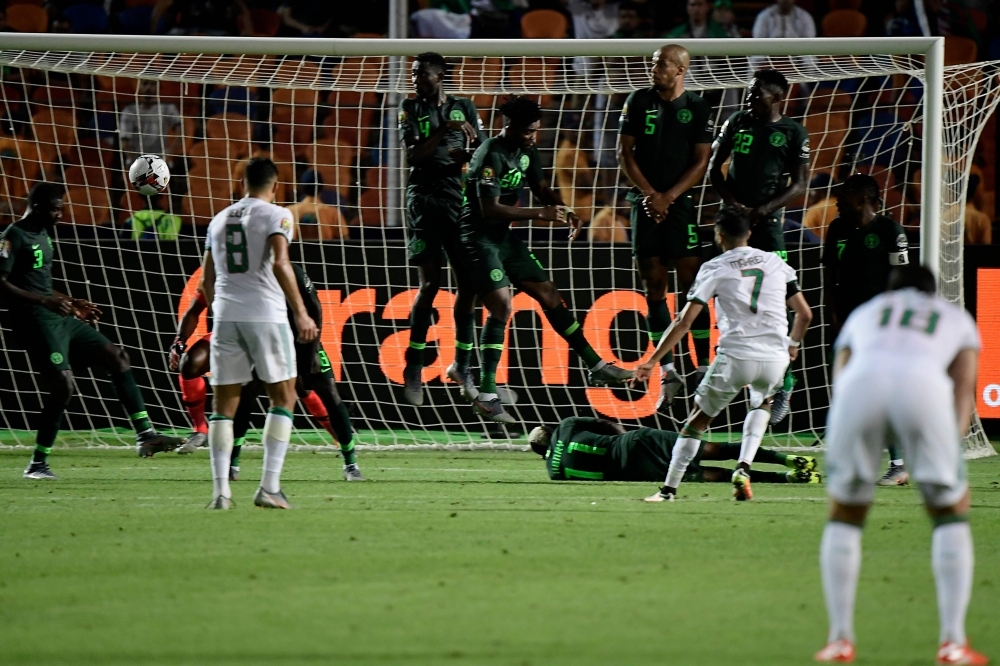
x=85 y=130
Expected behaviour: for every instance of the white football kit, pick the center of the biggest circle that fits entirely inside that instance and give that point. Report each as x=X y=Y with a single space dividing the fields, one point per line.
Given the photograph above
x=251 y=319
x=751 y=288
x=896 y=385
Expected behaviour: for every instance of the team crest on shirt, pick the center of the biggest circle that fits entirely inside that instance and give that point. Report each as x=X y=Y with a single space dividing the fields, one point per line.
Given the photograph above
x=525 y=161
x=496 y=275
x=402 y=116
x=456 y=114
x=684 y=116
x=778 y=139
x=4 y=248
x=871 y=241
x=56 y=358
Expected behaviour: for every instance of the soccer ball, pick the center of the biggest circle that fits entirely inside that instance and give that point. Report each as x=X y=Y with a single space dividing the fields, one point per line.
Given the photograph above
x=149 y=174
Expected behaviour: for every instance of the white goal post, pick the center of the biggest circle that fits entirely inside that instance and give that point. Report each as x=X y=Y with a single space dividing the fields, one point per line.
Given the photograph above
x=945 y=122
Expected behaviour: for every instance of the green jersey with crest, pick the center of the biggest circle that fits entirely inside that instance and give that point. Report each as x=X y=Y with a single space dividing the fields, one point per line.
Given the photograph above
x=763 y=156
x=26 y=258
x=418 y=119
x=498 y=172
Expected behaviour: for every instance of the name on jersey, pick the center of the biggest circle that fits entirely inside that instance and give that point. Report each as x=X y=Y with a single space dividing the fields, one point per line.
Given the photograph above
x=237 y=212
x=749 y=261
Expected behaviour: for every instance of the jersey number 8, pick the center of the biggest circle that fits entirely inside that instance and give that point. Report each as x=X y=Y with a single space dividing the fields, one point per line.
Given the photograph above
x=236 y=248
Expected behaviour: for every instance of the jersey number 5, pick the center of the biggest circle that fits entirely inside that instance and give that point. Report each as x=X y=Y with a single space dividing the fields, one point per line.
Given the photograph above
x=758 y=279
x=906 y=321
x=236 y=248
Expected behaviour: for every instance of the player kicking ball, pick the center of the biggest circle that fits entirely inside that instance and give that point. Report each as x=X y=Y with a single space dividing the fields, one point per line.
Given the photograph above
x=496 y=258
x=247 y=280
x=56 y=330
x=588 y=449
x=753 y=291
x=905 y=365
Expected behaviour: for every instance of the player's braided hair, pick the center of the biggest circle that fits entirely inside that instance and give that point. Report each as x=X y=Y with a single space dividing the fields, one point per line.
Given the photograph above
x=732 y=223
x=521 y=111
x=434 y=60
x=43 y=193
x=864 y=184
x=772 y=77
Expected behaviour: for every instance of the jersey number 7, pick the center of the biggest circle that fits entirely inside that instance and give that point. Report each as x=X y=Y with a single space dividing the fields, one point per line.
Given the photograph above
x=758 y=280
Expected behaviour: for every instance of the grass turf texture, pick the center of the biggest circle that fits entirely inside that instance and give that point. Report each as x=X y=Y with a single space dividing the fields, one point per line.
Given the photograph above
x=448 y=558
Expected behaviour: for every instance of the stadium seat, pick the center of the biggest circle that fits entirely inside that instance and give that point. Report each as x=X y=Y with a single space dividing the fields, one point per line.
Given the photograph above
x=318 y=221
x=55 y=132
x=351 y=118
x=533 y=74
x=87 y=176
x=846 y=4
x=574 y=179
x=293 y=115
x=477 y=73
x=297 y=72
x=210 y=189
x=232 y=130
x=27 y=18
x=829 y=131
x=959 y=50
x=844 y=23
x=135 y=20
x=371 y=204
x=87 y=205
x=115 y=92
x=87 y=19
x=265 y=22
x=334 y=162
x=543 y=24
x=360 y=72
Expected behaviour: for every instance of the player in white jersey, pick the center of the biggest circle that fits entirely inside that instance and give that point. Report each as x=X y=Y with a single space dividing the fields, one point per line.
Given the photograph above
x=905 y=366
x=753 y=291
x=247 y=280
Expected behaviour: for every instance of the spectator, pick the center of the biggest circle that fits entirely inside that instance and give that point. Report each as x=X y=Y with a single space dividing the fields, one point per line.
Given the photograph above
x=822 y=205
x=3 y=21
x=306 y=18
x=978 y=226
x=902 y=21
x=152 y=222
x=150 y=127
x=593 y=19
x=784 y=19
x=724 y=15
x=699 y=24
x=445 y=19
x=498 y=19
x=315 y=220
x=201 y=17
x=632 y=23
x=608 y=227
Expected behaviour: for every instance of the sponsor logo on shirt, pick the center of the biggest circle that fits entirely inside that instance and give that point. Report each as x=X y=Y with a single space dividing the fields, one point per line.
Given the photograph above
x=684 y=116
x=778 y=139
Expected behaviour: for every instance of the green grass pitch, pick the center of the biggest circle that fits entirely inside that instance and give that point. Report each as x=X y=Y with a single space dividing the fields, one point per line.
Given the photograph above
x=450 y=558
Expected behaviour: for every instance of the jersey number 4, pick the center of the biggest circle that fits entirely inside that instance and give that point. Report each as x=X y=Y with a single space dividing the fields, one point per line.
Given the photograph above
x=758 y=280
x=907 y=320
x=236 y=248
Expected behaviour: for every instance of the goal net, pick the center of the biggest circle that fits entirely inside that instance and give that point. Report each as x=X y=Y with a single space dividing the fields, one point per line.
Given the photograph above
x=78 y=112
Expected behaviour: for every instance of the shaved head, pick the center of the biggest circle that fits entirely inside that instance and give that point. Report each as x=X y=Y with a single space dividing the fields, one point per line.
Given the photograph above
x=669 y=65
x=676 y=54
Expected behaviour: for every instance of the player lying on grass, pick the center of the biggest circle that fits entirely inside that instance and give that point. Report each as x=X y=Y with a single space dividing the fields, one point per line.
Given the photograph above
x=905 y=365
x=315 y=386
x=496 y=259
x=588 y=449
x=753 y=290
x=57 y=332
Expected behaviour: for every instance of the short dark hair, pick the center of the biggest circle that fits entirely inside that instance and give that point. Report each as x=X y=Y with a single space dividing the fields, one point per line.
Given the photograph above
x=43 y=193
x=521 y=111
x=864 y=184
x=260 y=173
x=732 y=223
x=772 y=77
x=917 y=277
x=433 y=59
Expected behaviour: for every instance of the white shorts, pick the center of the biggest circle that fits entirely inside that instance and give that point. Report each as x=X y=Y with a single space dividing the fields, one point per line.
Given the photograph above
x=239 y=349
x=727 y=376
x=875 y=406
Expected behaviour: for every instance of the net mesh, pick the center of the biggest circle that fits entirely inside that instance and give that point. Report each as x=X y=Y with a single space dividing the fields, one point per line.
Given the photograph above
x=80 y=118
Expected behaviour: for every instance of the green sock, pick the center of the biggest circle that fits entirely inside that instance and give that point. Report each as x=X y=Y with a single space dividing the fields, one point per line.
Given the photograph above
x=894 y=454
x=566 y=325
x=657 y=321
x=48 y=428
x=770 y=456
x=131 y=398
x=41 y=453
x=234 y=457
x=340 y=421
x=491 y=346
x=347 y=450
x=790 y=381
x=465 y=337
x=700 y=331
x=420 y=321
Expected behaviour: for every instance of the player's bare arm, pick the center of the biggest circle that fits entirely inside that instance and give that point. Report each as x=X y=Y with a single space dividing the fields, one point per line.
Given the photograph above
x=286 y=279
x=544 y=192
x=208 y=277
x=673 y=335
x=963 y=375
x=58 y=302
x=803 y=317
x=795 y=189
x=628 y=165
x=188 y=323
x=494 y=210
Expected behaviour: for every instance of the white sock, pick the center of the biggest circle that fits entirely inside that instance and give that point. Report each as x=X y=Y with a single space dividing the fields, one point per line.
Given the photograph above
x=668 y=367
x=953 y=561
x=486 y=397
x=600 y=364
x=685 y=449
x=896 y=463
x=754 y=428
x=220 y=444
x=277 y=432
x=840 y=564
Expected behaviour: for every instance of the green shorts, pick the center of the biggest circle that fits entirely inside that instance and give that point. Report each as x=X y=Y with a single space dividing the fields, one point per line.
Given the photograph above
x=767 y=235
x=677 y=236
x=55 y=342
x=495 y=260
x=432 y=226
x=311 y=359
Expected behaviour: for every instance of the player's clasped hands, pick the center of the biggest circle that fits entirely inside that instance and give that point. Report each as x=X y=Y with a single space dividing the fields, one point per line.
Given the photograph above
x=657 y=204
x=308 y=331
x=575 y=225
x=554 y=213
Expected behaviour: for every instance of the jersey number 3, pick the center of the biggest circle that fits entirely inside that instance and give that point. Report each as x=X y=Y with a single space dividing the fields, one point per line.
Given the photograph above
x=758 y=280
x=236 y=248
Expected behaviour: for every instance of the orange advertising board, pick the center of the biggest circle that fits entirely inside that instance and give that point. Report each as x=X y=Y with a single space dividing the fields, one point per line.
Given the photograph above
x=988 y=320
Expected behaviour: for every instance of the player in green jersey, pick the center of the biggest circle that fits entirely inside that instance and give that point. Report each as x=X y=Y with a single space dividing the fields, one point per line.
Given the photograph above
x=769 y=168
x=665 y=137
x=495 y=258
x=588 y=449
x=861 y=248
x=56 y=330
x=439 y=132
